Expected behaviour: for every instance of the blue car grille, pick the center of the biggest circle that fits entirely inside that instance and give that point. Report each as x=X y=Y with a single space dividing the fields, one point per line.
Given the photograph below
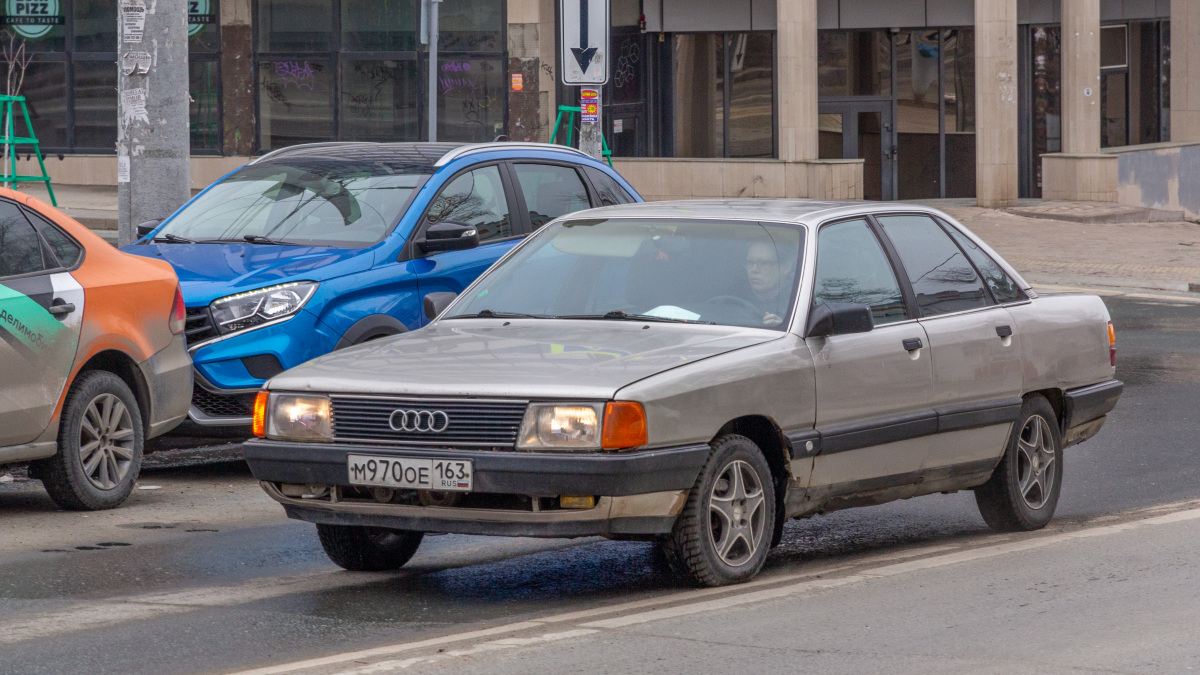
x=199 y=326
x=222 y=405
x=470 y=423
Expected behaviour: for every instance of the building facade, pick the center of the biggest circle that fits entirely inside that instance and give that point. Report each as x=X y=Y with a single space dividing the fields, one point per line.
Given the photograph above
x=860 y=98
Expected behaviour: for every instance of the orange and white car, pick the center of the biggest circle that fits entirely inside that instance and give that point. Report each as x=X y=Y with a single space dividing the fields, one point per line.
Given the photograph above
x=92 y=355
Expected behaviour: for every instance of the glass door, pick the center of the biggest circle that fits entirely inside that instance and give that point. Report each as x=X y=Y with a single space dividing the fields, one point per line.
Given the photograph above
x=862 y=129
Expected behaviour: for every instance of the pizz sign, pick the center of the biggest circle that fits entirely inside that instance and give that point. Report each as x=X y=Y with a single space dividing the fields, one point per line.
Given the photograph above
x=32 y=19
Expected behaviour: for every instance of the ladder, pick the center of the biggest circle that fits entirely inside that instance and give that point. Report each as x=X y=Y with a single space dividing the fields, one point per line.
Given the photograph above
x=8 y=174
x=571 y=111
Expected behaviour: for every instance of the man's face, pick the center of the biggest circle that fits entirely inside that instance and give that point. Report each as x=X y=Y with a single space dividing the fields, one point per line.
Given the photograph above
x=762 y=269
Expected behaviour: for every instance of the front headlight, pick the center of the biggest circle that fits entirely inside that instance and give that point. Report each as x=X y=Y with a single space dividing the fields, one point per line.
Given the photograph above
x=299 y=417
x=252 y=308
x=561 y=426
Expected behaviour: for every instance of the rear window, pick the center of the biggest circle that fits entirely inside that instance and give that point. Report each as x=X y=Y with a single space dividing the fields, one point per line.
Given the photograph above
x=610 y=191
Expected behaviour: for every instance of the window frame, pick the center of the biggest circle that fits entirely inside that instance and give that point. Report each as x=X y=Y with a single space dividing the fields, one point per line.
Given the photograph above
x=1022 y=296
x=593 y=196
x=44 y=249
x=520 y=228
x=911 y=309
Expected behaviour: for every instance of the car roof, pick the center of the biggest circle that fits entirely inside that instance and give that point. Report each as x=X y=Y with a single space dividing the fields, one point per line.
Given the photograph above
x=409 y=155
x=806 y=211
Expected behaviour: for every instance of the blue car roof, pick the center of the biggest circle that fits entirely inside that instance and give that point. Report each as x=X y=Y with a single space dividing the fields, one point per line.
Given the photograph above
x=406 y=156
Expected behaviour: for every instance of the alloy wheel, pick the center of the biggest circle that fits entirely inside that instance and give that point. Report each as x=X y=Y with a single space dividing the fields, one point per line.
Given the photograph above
x=106 y=441
x=737 y=513
x=1035 y=462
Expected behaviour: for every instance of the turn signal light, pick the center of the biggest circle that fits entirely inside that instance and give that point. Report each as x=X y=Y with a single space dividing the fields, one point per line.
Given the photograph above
x=624 y=425
x=576 y=501
x=1112 y=345
x=259 y=426
x=178 y=314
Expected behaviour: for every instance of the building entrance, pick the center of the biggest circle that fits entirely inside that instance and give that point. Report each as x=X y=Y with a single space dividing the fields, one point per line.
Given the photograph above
x=862 y=129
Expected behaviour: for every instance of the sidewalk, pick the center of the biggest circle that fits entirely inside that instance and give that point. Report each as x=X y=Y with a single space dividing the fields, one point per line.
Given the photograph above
x=94 y=206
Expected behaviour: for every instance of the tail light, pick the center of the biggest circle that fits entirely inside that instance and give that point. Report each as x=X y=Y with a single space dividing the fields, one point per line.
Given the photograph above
x=1112 y=345
x=178 y=314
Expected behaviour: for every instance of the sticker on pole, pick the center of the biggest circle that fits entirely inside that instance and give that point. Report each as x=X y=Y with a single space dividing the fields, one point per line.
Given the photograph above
x=584 y=41
x=589 y=106
x=518 y=81
x=133 y=21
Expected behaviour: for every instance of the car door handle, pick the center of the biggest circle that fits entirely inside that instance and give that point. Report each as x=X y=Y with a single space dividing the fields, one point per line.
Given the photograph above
x=912 y=344
x=1004 y=331
x=60 y=309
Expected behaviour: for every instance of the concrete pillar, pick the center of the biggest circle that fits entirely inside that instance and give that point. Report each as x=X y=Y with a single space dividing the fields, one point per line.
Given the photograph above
x=796 y=45
x=237 y=78
x=1185 y=70
x=526 y=118
x=153 y=144
x=996 y=114
x=1080 y=76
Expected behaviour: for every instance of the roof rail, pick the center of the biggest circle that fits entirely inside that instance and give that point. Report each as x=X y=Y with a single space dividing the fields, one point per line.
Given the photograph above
x=486 y=147
x=283 y=151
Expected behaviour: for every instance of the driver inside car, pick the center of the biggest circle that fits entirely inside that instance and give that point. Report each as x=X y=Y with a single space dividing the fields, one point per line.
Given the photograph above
x=766 y=276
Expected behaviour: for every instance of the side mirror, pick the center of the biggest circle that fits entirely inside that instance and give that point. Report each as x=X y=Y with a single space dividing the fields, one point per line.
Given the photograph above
x=436 y=303
x=838 y=318
x=447 y=236
x=147 y=227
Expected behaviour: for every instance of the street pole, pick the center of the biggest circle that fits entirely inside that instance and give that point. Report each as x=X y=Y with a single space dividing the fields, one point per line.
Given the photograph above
x=429 y=35
x=591 y=138
x=153 y=146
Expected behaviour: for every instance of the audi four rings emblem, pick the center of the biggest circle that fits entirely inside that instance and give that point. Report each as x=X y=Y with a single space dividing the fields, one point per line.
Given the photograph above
x=421 y=421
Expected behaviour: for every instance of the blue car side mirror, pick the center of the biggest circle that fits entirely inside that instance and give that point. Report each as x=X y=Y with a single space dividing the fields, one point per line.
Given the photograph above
x=448 y=236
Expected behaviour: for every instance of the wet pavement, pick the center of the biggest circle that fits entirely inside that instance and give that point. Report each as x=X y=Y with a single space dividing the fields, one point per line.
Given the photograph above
x=204 y=573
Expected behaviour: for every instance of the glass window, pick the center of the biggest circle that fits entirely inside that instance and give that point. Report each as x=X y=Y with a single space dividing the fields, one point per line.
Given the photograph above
x=20 y=247
x=1004 y=289
x=475 y=198
x=1047 y=99
x=295 y=102
x=379 y=101
x=45 y=91
x=1114 y=47
x=752 y=95
x=852 y=268
x=611 y=193
x=1145 y=111
x=918 y=142
x=95 y=105
x=699 y=94
x=550 y=191
x=41 y=24
x=382 y=25
x=471 y=26
x=205 y=106
x=958 y=88
x=1114 y=109
x=471 y=95
x=940 y=274
x=203 y=26
x=294 y=25
x=854 y=63
x=66 y=250
x=95 y=25
x=730 y=273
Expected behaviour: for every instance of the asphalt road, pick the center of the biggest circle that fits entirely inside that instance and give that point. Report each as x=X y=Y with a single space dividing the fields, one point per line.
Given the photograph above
x=202 y=573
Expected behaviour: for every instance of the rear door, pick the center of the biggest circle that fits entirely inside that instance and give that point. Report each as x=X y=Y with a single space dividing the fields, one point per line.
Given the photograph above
x=41 y=310
x=547 y=190
x=976 y=352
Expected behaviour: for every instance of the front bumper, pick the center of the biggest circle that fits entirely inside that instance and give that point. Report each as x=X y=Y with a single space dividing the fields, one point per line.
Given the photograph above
x=640 y=493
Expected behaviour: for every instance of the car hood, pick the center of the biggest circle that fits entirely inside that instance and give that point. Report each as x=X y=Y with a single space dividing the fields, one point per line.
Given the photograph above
x=527 y=358
x=210 y=271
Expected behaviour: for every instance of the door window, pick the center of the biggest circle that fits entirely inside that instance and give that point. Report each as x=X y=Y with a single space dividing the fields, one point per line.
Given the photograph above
x=550 y=191
x=1004 y=289
x=66 y=250
x=610 y=191
x=20 y=246
x=852 y=268
x=475 y=198
x=940 y=274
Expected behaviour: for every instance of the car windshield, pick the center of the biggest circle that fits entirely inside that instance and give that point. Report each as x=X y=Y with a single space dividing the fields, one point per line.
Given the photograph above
x=703 y=271
x=336 y=203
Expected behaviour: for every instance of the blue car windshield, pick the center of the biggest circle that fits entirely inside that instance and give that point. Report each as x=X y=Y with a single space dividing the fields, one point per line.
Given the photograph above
x=343 y=204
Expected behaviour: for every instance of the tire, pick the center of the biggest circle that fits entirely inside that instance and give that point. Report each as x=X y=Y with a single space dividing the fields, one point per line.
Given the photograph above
x=368 y=549
x=100 y=445
x=703 y=547
x=1017 y=498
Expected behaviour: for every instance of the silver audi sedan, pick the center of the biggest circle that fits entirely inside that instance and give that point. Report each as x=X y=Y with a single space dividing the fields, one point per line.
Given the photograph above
x=694 y=374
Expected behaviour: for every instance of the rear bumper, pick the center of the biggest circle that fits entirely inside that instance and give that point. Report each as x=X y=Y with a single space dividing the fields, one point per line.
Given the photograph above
x=168 y=376
x=1090 y=403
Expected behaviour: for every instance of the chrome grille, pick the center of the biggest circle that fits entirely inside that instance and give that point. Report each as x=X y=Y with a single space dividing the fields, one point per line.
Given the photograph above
x=199 y=326
x=472 y=422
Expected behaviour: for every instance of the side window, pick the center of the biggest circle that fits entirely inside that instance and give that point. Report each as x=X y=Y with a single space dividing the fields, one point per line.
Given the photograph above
x=550 y=191
x=941 y=276
x=475 y=198
x=66 y=250
x=20 y=246
x=610 y=191
x=852 y=268
x=1003 y=287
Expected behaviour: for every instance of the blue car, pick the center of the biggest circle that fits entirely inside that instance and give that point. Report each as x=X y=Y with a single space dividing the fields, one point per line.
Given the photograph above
x=316 y=247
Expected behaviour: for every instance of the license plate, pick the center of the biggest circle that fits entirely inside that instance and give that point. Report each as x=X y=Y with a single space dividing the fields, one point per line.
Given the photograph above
x=417 y=474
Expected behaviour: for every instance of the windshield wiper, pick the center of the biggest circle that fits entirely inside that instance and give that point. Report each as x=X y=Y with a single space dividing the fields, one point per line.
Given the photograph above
x=489 y=314
x=618 y=315
x=259 y=239
x=174 y=239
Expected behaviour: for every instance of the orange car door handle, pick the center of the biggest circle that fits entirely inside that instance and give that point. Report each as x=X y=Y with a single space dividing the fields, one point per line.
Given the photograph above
x=60 y=309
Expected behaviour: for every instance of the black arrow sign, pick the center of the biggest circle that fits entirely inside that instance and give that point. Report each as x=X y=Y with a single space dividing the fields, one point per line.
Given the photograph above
x=583 y=53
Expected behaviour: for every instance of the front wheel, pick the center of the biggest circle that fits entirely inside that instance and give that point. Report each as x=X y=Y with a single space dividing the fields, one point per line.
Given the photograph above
x=724 y=533
x=1023 y=491
x=368 y=549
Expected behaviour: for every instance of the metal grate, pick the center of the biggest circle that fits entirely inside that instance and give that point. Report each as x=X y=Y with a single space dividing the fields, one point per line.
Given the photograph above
x=222 y=405
x=199 y=326
x=471 y=422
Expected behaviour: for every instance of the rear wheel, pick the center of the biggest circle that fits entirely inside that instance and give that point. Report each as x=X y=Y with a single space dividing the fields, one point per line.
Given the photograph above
x=724 y=533
x=368 y=549
x=1023 y=491
x=100 y=445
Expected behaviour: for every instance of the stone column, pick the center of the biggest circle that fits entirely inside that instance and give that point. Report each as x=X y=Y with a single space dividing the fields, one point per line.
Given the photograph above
x=1185 y=70
x=237 y=78
x=526 y=119
x=796 y=46
x=996 y=103
x=1080 y=76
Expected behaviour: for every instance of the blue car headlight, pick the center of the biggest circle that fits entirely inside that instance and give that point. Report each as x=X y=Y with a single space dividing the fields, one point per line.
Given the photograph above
x=255 y=308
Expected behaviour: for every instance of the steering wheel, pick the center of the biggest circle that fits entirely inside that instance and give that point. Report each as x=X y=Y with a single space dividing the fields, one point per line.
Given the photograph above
x=745 y=308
